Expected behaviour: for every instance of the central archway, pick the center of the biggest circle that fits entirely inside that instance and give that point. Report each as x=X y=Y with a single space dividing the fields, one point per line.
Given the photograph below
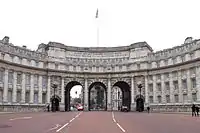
x=126 y=93
x=97 y=96
x=68 y=88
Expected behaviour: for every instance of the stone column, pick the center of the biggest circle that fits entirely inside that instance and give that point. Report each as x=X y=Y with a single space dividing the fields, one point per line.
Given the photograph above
x=40 y=90
x=171 y=88
x=14 y=92
x=146 y=90
x=5 y=91
x=198 y=83
x=109 y=95
x=23 y=88
x=62 y=105
x=154 y=90
x=180 y=91
x=86 y=95
x=48 y=89
x=132 y=94
x=189 y=87
x=163 y=88
x=32 y=89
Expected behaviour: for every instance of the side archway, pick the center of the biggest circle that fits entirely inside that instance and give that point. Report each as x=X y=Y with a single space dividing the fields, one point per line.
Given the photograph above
x=126 y=93
x=68 y=88
x=55 y=103
x=97 y=96
x=139 y=103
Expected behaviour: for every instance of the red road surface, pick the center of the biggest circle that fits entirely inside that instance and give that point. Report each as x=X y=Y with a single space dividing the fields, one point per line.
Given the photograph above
x=98 y=122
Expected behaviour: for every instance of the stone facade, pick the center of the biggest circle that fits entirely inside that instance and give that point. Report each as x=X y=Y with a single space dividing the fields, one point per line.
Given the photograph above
x=170 y=78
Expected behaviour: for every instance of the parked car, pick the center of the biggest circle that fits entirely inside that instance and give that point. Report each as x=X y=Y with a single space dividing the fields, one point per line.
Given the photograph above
x=80 y=108
x=124 y=109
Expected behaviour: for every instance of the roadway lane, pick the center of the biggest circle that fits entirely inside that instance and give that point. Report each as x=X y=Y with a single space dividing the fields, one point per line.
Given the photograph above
x=157 y=123
x=34 y=122
x=93 y=122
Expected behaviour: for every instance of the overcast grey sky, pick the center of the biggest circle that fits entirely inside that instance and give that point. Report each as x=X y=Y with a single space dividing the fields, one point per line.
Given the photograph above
x=161 y=23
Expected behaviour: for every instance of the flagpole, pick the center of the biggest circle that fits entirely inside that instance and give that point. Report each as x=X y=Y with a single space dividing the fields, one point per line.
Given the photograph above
x=97 y=22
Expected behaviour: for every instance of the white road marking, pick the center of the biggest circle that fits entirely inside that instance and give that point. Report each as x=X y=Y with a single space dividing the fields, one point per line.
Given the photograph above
x=57 y=125
x=68 y=122
x=20 y=118
x=113 y=117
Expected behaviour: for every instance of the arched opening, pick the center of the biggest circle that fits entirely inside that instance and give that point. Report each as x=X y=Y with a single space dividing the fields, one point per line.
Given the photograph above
x=125 y=95
x=73 y=95
x=140 y=103
x=97 y=97
x=55 y=100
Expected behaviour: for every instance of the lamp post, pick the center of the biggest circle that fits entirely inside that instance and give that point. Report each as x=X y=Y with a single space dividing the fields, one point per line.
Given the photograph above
x=140 y=89
x=54 y=86
x=118 y=93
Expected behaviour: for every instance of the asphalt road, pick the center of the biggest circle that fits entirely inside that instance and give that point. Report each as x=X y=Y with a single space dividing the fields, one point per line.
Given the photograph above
x=98 y=122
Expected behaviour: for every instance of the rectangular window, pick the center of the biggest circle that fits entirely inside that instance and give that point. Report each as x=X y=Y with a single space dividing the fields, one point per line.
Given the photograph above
x=28 y=79
x=151 y=87
x=10 y=77
x=36 y=80
x=18 y=96
x=1 y=95
x=159 y=87
x=44 y=81
x=159 y=99
x=36 y=97
x=19 y=78
x=158 y=77
x=166 y=75
x=184 y=97
x=167 y=86
x=167 y=98
x=175 y=83
x=150 y=77
x=176 y=98
x=151 y=99
x=193 y=80
x=27 y=97
x=10 y=96
x=44 y=98
x=184 y=84
x=194 y=97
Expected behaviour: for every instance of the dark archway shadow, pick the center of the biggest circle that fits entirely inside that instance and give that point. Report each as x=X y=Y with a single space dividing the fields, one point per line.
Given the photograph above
x=126 y=93
x=68 y=88
x=55 y=103
x=90 y=107
x=140 y=103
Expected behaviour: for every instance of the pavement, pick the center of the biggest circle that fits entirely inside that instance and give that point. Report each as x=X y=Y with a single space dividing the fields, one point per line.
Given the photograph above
x=98 y=122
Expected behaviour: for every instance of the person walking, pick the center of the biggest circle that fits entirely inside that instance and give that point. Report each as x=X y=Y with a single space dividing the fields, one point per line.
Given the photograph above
x=148 y=109
x=197 y=111
x=193 y=110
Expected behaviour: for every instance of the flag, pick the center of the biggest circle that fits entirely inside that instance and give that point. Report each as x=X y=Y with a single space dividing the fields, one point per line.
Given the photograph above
x=97 y=14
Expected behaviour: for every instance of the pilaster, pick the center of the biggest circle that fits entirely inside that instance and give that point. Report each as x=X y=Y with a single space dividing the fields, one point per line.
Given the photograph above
x=189 y=86
x=40 y=90
x=109 y=95
x=171 y=88
x=180 y=91
x=86 y=95
x=132 y=94
x=32 y=89
x=48 y=89
x=5 y=91
x=14 y=92
x=163 y=88
x=23 y=88
x=154 y=90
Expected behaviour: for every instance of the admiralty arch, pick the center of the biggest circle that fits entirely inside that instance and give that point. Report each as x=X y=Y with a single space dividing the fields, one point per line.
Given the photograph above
x=169 y=79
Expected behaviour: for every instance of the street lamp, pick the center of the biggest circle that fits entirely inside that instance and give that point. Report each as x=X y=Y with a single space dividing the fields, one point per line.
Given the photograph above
x=118 y=98
x=54 y=86
x=140 y=89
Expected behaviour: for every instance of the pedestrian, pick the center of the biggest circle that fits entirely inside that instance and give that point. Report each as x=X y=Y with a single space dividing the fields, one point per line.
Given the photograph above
x=48 y=107
x=148 y=109
x=193 y=110
x=197 y=110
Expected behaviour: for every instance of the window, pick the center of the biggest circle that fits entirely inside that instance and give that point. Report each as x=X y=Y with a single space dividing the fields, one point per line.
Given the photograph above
x=167 y=98
x=183 y=58
x=56 y=66
x=151 y=99
x=151 y=87
x=44 y=97
x=194 y=97
x=191 y=56
x=175 y=85
x=36 y=80
x=183 y=73
x=138 y=66
x=159 y=99
x=158 y=64
x=166 y=75
x=44 y=81
x=19 y=78
x=28 y=78
x=150 y=77
x=184 y=84
x=192 y=71
x=1 y=95
x=27 y=97
x=174 y=60
x=36 y=97
x=174 y=74
x=158 y=77
x=167 y=86
x=10 y=77
x=184 y=97
x=193 y=80
x=18 y=96
x=159 y=87
x=176 y=98
x=1 y=75
x=166 y=62
x=9 y=96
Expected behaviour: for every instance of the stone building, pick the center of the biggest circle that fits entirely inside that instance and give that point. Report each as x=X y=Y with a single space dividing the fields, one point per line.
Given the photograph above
x=170 y=78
